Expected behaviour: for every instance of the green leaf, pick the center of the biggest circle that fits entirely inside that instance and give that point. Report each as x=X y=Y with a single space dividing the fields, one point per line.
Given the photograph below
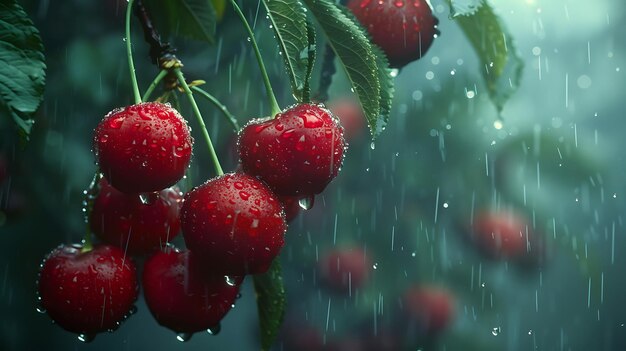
x=350 y=43
x=194 y=19
x=464 y=7
x=288 y=18
x=501 y=65
x=384 y=76
x=386 y=88
x=22 y=66
x=312 y=53
x=271 y=301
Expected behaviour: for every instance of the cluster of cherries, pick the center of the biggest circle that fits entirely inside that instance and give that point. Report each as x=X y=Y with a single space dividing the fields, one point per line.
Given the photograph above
x=233 y=225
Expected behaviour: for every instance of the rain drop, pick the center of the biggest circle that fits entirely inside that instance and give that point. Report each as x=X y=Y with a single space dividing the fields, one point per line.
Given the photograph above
x=306 y=203
x=86 y=337
x=183 y=337
x=215 y=329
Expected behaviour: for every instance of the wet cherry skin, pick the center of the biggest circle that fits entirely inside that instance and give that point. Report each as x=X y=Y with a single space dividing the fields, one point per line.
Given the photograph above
x=182 y=296
x=87 y=292
x=297 y=153
x=143 y=148
x=234 y=223
x=403 y=29
x=135 y=225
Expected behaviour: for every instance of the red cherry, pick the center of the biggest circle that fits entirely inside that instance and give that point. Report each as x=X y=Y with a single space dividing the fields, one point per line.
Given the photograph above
x=297 y=153
x=182 y=296
x=87 y=292
x=143 y=148
x=403 y=29
x=235 y=223
x=351 y=117
x=135 y=225
x=429 y=308
x=501 y=235
x=345 y=270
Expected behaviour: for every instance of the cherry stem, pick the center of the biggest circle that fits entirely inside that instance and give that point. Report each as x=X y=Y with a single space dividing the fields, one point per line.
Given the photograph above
x=212 y=99
x=196 y=111
x=154 y=83
x=129 y=53
x=275 y=109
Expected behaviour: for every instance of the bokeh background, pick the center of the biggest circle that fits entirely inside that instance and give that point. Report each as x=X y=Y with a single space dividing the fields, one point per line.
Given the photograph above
x=554 y=155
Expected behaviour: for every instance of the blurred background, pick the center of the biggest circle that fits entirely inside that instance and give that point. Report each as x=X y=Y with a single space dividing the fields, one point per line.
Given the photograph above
x=405 y=214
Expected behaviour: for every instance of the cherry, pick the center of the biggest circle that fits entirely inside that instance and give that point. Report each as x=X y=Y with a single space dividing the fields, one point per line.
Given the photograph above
x=135 y=224
x=501 y=235
x=297 y=153
x=345 y=270
x=428 y=308
x=87 y=292
x=403 y=29
x=143 y=148
x=235 y=223
x=182 y=296
x=351 y=117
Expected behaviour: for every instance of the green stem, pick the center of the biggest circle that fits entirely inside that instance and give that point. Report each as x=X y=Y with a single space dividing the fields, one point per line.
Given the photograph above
x=196 y=111
x=175 y=100
x=272 y=98
x=154 y=83
x=129 y=53
x=219 y=105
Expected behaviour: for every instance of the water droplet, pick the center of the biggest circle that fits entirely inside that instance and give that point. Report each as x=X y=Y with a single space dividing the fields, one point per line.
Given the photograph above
x=311 y=121
x=306 y=203
x=375 y=266
x=301 y=143
x=116 y=123
x=495 y=331
x=183 y=337
x=86 y=337
x=215 y=329
x=372 y=146
x=148 y=198
x=230 y=280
